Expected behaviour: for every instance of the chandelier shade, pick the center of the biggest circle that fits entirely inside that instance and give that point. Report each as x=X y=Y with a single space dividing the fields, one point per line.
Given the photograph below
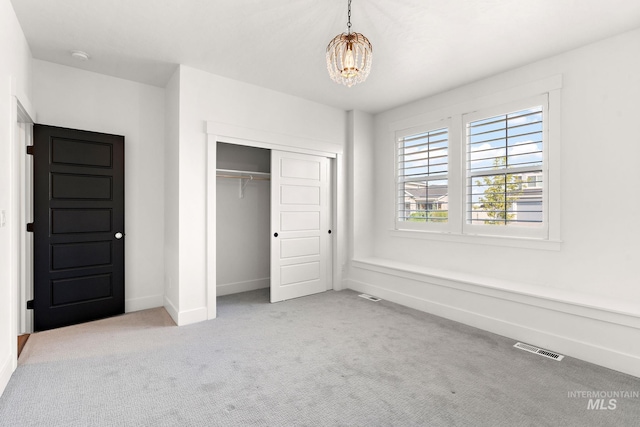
x=349 y=56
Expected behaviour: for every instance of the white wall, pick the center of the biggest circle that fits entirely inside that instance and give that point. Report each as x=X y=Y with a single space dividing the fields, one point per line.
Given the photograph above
x=206 y=97
x=361 y=170
x=171 y=194
x=597 y=263
x=243 y=224
x=73 y=98
x=15 y=81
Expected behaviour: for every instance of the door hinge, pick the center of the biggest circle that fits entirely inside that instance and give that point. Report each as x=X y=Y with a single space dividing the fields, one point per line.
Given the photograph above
x=30 y=227
x=30 y=304
x=30 y=150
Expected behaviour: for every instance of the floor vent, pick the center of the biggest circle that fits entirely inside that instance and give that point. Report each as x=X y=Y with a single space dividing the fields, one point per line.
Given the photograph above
x=540 y=351
x=369 y=297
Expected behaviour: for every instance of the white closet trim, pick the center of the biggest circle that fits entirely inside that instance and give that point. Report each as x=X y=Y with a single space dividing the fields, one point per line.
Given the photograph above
x=274 y=141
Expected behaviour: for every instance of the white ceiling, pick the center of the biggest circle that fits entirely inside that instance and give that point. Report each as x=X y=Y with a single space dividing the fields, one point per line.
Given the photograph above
x=420 y=47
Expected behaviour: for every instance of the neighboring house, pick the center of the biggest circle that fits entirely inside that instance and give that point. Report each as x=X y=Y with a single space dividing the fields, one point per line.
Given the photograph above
x=419 y=198
x=528 y=206
x=525 y=210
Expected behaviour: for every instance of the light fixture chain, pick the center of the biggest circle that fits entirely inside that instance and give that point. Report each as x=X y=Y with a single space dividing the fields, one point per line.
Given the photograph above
x=349 y=18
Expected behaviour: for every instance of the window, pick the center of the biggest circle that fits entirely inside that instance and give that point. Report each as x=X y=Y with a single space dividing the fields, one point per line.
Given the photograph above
x=505 y=155
x=422 y=176
x=505 y=169
x=481 y=173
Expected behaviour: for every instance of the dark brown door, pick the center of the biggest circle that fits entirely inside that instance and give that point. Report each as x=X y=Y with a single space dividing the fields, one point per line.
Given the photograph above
x=78 y=226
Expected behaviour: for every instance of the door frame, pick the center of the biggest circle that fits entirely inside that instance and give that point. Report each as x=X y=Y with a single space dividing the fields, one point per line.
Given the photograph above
x=22 y=117
x=230 y=134
x=24 y=163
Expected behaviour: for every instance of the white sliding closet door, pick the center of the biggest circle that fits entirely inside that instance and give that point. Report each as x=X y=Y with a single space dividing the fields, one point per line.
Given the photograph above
x=300 y=225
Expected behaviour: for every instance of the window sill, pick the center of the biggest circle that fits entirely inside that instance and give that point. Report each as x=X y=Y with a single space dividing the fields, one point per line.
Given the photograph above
x=510 y=242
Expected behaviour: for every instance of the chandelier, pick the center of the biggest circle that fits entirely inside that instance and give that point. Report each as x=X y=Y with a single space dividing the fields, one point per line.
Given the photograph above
x=349 y=56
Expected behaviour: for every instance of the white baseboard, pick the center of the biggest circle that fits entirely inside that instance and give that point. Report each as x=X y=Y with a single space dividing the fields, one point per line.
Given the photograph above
x=143 y=303
x=185 y=317
x=195 y=315
x=6 y=370
x=171 y=309
x=592 y=334
x=237 y=287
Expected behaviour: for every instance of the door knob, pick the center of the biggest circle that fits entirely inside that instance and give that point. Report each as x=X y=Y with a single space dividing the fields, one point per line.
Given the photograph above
x=275 y=234
x=119 y=235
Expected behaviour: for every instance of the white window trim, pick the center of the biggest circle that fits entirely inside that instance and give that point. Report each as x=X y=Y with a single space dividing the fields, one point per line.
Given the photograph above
x=540 y=232
x=455 y=228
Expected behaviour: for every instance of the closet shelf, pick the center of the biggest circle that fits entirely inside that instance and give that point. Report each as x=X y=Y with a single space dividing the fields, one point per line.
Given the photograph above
x=231 y=173
x=244 y=176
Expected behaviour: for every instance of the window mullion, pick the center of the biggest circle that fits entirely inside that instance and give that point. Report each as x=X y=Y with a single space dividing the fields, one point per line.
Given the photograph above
x=456 y=173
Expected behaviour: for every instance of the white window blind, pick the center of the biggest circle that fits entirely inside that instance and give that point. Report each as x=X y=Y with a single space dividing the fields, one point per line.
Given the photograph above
x=505 y=169
x=422 y=186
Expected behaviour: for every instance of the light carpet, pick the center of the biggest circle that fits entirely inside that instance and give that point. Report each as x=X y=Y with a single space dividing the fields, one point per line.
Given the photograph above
x=331 y=359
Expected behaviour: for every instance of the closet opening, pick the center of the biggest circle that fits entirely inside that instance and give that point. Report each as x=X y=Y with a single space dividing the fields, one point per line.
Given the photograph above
x=273 y=222
x=243 y=195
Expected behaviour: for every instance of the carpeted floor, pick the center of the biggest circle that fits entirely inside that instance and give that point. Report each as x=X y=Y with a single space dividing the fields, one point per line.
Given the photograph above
x=331 y=359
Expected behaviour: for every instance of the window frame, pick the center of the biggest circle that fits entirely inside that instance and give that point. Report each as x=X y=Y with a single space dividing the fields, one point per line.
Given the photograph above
x=514 y=230
x=456 y=231
x=416 y=130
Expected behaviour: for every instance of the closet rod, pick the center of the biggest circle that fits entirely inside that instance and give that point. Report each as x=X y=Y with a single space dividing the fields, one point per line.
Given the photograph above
x=251 y=177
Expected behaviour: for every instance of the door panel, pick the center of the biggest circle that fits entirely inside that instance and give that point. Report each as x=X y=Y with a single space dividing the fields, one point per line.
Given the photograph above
x=80 y=153
x=298 y=273
x=300 y=195
x=305 y=246
x=300 y=169
x=300 y=221
x=78 y=209
x=67 y=291
x=300 y=211
x=65 y=221
x=79 y=255
x=83 y=187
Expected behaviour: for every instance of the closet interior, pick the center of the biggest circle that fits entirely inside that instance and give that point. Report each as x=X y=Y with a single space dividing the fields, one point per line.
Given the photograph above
x=243 y=218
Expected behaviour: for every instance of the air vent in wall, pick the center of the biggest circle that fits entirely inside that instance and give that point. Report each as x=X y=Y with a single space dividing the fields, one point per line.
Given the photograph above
x=540 y=351
x=369 y=297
